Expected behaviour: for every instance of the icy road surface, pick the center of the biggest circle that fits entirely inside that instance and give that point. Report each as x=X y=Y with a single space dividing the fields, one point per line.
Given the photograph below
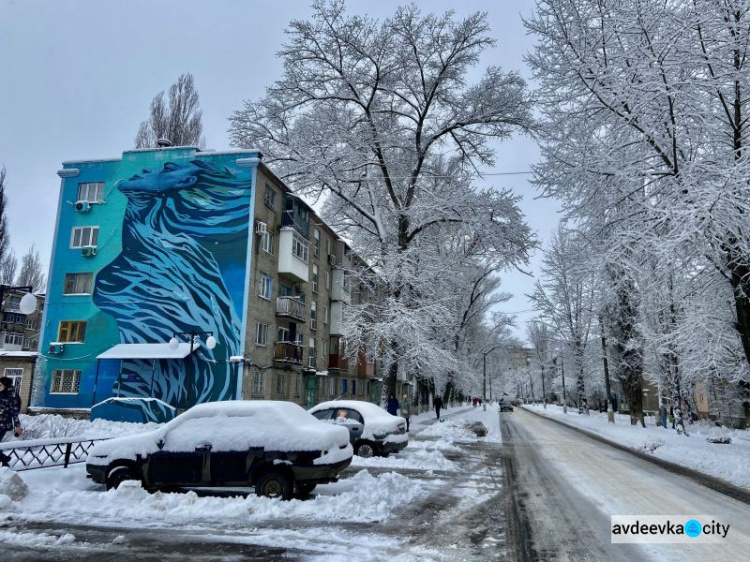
x=565 y=487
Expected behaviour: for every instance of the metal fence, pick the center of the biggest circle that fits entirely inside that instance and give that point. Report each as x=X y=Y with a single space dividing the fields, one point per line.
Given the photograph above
x=45 y=453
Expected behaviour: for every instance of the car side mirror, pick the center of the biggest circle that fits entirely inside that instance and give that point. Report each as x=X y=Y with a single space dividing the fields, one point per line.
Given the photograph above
x=160 y=444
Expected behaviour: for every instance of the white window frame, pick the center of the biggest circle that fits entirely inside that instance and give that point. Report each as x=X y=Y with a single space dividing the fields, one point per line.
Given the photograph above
x=16 y=375
x=85 y=192
x=87 y=234
x=265 y=286
x=77 y=283
x=11 y=338
x=282 y=338
x=314 y=278
x=316 y=242
x=332 y=386
x=314 y=315
x=261 y=333
x=59 y=379
x=325 y=314
x=269 y=197
x=328 y=246
x=311 y=353
x=300 y=247
x=266 y=242
x=281 y=384
x=327 y=280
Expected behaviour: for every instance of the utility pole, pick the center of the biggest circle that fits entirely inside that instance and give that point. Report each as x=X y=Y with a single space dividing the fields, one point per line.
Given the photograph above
x=565 y=400
x=610 y=410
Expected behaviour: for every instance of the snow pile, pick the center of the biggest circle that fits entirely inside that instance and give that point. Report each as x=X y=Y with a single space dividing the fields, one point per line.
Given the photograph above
x=49 y=426
x=414 y=458
x=454 y=429
x=34 y=540
x=725 y=461
x=65 y=496
x=12 y=486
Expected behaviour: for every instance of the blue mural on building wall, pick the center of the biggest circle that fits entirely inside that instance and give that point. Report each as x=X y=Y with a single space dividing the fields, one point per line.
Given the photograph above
x=169 y=277
x=171 y=256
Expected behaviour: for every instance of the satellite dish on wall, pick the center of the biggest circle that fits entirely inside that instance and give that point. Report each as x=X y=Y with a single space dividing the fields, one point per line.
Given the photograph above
x=27 y=304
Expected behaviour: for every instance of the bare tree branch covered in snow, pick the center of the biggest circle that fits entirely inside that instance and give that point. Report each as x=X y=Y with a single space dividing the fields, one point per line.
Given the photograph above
x=379 y=118
x=176 y=118
x=31 y=273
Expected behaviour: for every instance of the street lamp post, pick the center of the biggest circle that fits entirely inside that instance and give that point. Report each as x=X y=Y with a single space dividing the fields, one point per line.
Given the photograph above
x=174 y=344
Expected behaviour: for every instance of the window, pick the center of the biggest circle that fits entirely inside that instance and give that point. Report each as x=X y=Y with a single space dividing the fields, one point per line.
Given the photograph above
x=259 y=383
x=315 y=279
x=316 y=242
x=299 y=247
x=15 y=375
x=332 y=386
x=71 y=331
x=78 y=283
x=14 y=318
x=327 y=280
x=344 y=387
x=282 y=335
x=354 y=387
x=261 y=333
x=30 y=324
x=93 y=192
x=265 y=287
x=30 y=344
x=65 y=381
x=13 y=339
x=84 y=236
x=313 y=315
x=325 y=314
x=328 y=247
x=281 y=384
x=269 y=197
x=14 y=303
x=297 y=385
x=311 y=354
x=266 y=243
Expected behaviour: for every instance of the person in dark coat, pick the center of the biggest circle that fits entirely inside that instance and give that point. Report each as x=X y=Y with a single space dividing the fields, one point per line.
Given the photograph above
x=392 y=405
x=438 y=403
x=8 y=413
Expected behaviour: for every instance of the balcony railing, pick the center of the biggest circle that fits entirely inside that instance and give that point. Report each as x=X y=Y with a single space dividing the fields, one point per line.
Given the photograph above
x=287 y=352
x=292 y=307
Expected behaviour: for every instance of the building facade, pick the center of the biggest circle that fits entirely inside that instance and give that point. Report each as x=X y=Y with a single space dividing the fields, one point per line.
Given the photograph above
x=181 y=276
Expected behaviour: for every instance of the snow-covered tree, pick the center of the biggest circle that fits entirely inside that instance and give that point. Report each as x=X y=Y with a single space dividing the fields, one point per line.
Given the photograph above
x=176 y=118
x=380 y=118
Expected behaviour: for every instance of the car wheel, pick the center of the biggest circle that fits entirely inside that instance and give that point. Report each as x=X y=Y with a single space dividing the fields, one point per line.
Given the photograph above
x=365 y=450
x=118 y=475
x=305 y=489
x=273 y=484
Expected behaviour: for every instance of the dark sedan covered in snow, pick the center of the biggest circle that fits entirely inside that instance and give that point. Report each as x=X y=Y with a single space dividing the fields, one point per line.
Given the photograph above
x=276 y=447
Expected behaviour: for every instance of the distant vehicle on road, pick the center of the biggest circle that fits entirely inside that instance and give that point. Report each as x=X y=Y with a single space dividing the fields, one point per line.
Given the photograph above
x=506 y=405
x=276 y=447
x=372 y=430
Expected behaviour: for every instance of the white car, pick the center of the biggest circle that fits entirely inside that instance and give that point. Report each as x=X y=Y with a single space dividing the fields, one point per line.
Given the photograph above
x=372 y=430
x=276 y=447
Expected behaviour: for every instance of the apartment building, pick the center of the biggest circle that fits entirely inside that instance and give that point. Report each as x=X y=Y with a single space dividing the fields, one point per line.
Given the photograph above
x=181 y=276
x=19 y=339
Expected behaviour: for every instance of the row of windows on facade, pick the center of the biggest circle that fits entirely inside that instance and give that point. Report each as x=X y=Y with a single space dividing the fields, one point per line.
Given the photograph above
x=15 y=338
x=265 y=285
x=336 y=385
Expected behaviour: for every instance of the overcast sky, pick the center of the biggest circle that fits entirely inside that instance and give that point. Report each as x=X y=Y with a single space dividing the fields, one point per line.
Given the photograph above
x=77 y=78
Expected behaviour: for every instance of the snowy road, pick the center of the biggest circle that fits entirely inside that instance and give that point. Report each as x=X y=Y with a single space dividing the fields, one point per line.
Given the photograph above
x=565 y=486
x=441 y=499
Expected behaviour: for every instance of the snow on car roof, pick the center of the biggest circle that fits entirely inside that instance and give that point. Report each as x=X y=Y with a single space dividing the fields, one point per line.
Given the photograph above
x=233 y=425
x=367 y=409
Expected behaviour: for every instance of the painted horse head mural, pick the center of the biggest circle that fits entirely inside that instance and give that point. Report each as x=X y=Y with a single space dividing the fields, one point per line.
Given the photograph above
x=184 y=240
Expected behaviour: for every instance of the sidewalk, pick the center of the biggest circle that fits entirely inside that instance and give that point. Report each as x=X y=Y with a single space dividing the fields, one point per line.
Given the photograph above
x=725 y=462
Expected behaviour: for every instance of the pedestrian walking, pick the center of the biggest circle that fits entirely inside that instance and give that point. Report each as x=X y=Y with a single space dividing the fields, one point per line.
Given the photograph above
x=406 y=411
x=438 y=403
x=663 y=415
x=392 y=406
x=8 y=413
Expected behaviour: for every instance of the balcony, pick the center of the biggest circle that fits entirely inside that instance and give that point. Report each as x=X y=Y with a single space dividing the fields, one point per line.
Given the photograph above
x=338 y=362
x=287 y=352
x=293 y=255
x=291 y=307
x=340 y=287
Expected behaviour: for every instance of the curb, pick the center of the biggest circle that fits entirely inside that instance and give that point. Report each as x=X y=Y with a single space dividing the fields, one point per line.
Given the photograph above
x=716 y=484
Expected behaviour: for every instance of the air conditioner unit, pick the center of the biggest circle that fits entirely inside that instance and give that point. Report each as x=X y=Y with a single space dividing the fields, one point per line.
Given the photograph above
x=331 y=259
x=83 y=206
x=88 y=251
x=261 y=228
x=56 y=348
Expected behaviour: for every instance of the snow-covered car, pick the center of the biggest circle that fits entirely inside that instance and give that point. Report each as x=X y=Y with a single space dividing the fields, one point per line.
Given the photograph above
x=277 y=447
x=505 y=405
x=372 y=430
